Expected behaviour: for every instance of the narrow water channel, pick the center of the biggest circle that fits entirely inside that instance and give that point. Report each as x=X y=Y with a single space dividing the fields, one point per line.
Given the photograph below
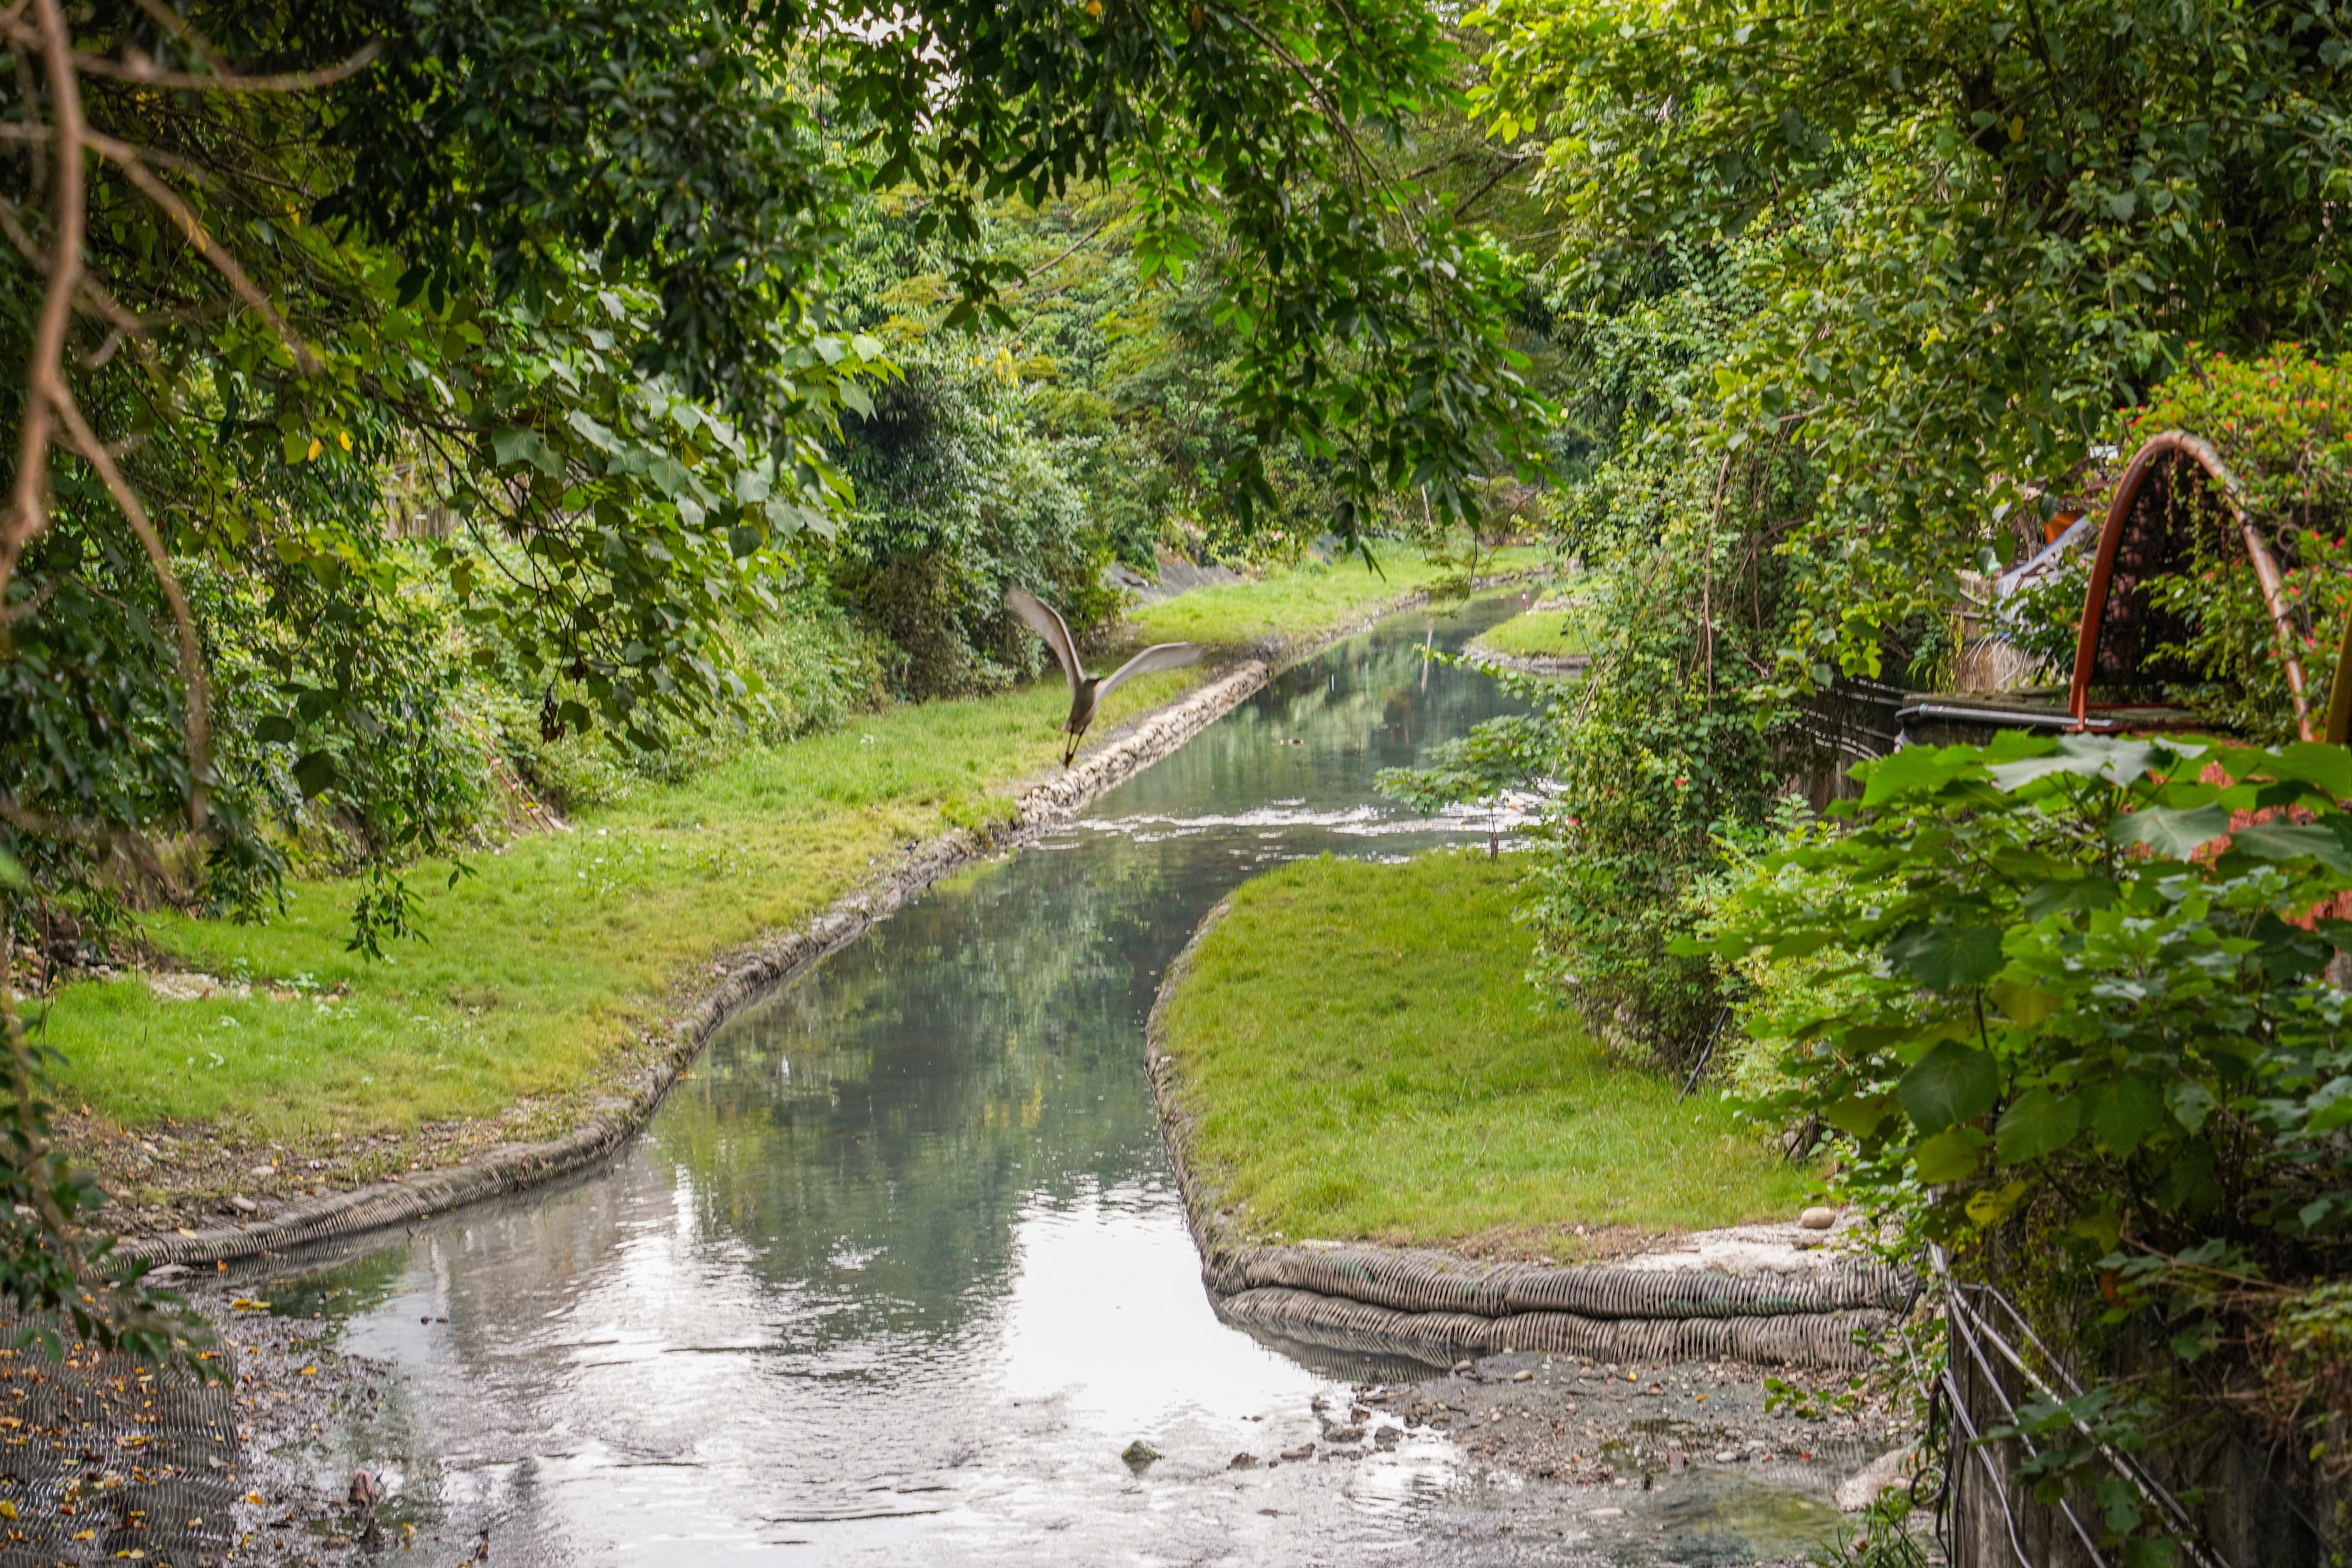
x=900 y=1272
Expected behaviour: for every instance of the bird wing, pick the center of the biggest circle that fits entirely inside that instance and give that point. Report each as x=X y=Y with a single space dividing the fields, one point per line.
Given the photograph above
x=1043 y=620
x=1159 y=656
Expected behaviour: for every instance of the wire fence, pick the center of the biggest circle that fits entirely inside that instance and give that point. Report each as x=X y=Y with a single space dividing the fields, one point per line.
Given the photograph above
x=1997 y=1363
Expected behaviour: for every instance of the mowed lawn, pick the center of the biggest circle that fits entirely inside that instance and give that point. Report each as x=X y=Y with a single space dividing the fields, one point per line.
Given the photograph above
x=1541 y=633
x=1364 y=1058
x=536 y=969
x=1304 y=601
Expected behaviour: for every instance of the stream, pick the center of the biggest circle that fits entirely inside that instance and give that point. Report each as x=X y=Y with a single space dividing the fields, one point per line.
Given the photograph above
x=900 y=1270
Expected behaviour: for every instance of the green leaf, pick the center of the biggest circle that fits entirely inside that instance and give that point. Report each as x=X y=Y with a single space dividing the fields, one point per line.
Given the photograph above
x=274 y=730
x=2037 y=1123
x=2314 y=762
x=12 y=871
x=2126 y=1111
x=2187 y=1180
x=2024 y=1003
x=1942 y=958
x=2175 y=833
x=2191 y=1102
x=1916 y=769
x=1946 y=1157
x=1856 y=1115
x=2286 y=841
x=514 y=444
x=315 y=772
x=2087 y=756
x=1952 y=1083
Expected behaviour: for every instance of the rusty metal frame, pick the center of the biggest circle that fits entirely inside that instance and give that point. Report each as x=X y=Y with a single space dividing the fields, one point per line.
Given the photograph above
x=2145 y=462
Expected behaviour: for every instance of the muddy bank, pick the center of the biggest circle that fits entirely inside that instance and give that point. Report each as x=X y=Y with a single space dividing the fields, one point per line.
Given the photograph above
x=1643 y=1449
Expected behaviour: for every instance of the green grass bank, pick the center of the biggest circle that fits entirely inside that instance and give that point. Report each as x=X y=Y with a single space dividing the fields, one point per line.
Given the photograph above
x=1307 y=602
x=539 y=971
x=1534 y=633
x=1361 y=1058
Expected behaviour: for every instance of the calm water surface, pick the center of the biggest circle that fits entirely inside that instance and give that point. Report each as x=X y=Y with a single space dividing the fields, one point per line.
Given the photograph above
x=897 y=1275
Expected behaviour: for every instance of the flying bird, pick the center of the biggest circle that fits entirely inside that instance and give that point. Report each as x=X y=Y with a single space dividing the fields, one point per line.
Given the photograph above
x=1086 y=692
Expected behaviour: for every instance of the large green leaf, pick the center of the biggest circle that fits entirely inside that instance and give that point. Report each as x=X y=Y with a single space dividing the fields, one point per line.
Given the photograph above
x=1856 y=1115
x=1916 y=770
x=2287 y=842
x=2085 y=755
x=2174 y=832
x=1946 y=1157
x=2037 y=1123
x=1942 y=958
x=1952 y=1083
x=2126 y=1111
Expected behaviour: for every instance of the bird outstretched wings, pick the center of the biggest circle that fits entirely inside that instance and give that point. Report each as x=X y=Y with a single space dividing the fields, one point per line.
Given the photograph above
x=1159 y=656
x=1043 y=620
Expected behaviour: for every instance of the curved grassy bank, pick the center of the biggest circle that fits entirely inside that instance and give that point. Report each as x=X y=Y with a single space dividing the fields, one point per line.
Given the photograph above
x=1359 y=1056
x=1542 y=633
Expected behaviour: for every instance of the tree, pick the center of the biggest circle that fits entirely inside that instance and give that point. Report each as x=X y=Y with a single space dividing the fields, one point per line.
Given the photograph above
x=542 y=284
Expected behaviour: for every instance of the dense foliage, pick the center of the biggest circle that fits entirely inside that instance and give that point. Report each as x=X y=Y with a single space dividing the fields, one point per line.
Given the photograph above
x=2068 y=1008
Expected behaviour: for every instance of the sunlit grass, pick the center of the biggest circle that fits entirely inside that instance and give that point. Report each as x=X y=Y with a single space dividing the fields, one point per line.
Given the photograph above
x=539 y=968
x=1365 y=1058
x=536 y=967
x=1541 y=633
x=1302 y=601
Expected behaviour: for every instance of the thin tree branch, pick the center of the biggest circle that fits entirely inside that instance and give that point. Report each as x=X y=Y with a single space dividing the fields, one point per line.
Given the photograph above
x=28 y=512
x=126 y=158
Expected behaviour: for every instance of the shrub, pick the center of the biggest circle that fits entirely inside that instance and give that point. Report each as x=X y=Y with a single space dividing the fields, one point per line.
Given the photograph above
x=2079 y=1028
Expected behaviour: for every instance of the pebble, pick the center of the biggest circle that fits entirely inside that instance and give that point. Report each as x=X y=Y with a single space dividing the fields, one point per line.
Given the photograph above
x=1304 y=1451
x=1243 y=1462
x=1727 y=1457
x=1817 y=1218
x=1605 y=1513
x=245 y=1206
x=1522 y=1376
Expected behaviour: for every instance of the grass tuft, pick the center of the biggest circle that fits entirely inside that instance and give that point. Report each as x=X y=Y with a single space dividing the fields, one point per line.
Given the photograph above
x=1364 y=1058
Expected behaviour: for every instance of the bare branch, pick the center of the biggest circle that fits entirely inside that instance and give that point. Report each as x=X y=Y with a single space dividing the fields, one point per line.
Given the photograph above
x=288 y=81
x=146 y=73
x=28 y=512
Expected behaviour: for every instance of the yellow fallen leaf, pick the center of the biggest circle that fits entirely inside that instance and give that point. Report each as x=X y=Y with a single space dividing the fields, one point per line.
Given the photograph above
x=309 y=1372
x=255 y=1499
x=7 y=1510
x=186 y=1232
x=86 y=1535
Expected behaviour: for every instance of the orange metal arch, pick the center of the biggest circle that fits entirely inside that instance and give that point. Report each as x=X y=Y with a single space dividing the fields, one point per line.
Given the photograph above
x=2146 y=462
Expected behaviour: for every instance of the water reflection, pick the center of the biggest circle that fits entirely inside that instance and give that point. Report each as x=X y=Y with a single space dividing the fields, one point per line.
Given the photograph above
x=902 y=1271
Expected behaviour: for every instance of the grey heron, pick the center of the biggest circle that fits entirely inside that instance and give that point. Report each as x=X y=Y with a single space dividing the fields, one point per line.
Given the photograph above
x=1086 y=692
